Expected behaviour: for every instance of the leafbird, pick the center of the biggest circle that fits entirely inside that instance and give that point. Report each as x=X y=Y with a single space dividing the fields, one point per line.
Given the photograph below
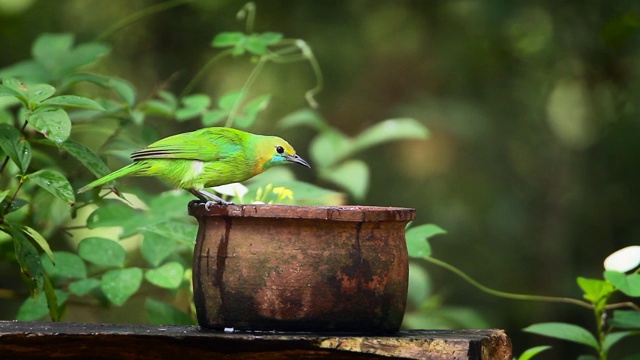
x=204 y=158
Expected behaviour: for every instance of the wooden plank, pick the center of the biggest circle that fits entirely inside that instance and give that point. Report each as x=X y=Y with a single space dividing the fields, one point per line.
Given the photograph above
x=39 y=340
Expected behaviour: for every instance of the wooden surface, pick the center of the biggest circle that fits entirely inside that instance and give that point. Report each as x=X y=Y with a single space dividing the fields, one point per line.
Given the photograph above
x=44 y=340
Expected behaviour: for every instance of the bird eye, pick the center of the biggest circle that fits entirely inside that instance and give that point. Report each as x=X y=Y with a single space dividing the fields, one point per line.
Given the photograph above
x=279 y=149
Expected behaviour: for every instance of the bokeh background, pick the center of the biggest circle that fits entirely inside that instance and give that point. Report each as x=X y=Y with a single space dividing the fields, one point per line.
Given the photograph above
x=533 y=160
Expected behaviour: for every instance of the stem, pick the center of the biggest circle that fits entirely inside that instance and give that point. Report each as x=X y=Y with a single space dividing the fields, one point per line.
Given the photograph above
x=13 y=198
x=200 y=74
x=139 y=15
x=248 y=10
x=503 y=294
x=252 y=77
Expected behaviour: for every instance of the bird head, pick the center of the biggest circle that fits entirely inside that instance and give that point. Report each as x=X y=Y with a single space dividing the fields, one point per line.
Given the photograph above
x=276 y=151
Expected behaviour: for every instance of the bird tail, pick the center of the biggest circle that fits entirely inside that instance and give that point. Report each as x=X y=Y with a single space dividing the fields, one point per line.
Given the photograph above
x=130 y=169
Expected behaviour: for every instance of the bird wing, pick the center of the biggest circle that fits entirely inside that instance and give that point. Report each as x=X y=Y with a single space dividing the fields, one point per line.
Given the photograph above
x=210 y=144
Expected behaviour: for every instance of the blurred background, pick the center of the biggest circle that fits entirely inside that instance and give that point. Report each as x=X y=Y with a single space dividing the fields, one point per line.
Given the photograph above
x=533 y=160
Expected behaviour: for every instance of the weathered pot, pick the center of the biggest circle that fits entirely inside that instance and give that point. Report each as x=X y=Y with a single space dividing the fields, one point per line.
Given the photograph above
x=293 y=268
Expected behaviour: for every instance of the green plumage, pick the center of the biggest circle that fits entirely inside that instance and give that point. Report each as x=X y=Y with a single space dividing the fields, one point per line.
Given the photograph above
x=205 y=158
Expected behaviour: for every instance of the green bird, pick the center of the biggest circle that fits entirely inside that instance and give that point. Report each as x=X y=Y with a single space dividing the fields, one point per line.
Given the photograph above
x=207 y=157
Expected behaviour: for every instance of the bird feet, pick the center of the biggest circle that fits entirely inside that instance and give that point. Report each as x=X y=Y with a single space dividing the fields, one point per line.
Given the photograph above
x=209 y=199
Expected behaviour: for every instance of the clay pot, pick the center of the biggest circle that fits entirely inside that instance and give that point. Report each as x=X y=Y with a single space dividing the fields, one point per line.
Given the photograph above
x=294 y=268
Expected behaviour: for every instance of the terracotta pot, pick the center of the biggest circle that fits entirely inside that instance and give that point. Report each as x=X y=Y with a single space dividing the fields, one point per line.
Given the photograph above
x=292 y=268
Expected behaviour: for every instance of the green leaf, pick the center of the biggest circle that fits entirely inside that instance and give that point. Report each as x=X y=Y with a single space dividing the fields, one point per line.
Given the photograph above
x=84 y=286
x=628 y=284
x=156 y=248
x=27 y=257
x=304 y=117
x=564 y=331
x=596 y=291
x=213 y=117
x=72 y=101
x=255 y=45
x=55 y=183
x=39 y=239
x=52 y=123
x=14 y=87
x=90 y=160
x=329 y=147
x=228 y=100
x=614 y=337
x=390 y=130
x=418 y=239
x=270 y=38
x=625 y=319
x=114 y=215
x=35 y=308
x=15 y=205
x=529 y=353
x=251 y=111
x=161 y=313
x=38 y=93
x=352 y=175
x=168 y=276
x=3 y=195
x=68 y=265
x=101 y=251
x=175 y=230
x=227 y=39
x=55 y=310
x=194 y=105
x=118 y=285
x=48 y=49
x=17 y=148
x=124 y=89
x=419 y=285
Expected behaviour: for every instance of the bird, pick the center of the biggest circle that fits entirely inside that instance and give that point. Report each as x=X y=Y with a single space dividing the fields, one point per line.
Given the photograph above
x=205 y=158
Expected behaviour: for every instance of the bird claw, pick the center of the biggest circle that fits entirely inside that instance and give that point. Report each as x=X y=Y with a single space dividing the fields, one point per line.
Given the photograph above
x=209 y=204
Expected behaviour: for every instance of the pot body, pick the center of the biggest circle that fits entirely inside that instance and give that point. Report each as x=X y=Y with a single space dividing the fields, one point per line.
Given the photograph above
x=291 y=268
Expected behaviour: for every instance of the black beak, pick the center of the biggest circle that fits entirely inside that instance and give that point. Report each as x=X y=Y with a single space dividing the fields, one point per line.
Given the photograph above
x=298 y=160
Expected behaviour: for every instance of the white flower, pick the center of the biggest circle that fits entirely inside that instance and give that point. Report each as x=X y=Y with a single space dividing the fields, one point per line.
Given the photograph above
x=624 y=259
x=234 y=189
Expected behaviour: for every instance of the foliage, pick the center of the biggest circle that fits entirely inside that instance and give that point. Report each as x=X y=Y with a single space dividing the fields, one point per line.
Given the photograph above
x=596 y=292
x=52 y=97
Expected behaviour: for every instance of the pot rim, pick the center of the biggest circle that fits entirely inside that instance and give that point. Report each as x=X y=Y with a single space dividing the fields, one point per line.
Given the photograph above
x=356 y=213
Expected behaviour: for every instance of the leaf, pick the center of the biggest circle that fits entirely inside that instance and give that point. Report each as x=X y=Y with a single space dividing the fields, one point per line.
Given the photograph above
x=596 y=291
x=55 y=311
x=419 y=285
x=38 y=93
x=175 y=230
x=390 y=130
x=39 y=239
x=84 y=286
x=114 y=215
x=55 y=183
x=35 y=308
x=270 y=38
x=529 y=353
x=213 y=117
x=168 y=276
x=564 y=331
x=72 y=101
x=17 y=148
x=352 y=175
x=124 y=89
x=614 y=337
x=252 y=109
x=194 y=105
x=155 y=248
x=623 y=260
x=161 y=313
x=628 y=284
x=625 y=319
x=90 y=160
x=228 y=100
x=15 y=205
x=118 y=285
x=418 y=239
x=48 y=49
x=227 y=39
x=27 y=257
x=255 y=45
x=101 y=251
x=304 y=117
x=329 y=147
x=14 y=87
x=52 y=123
x=67 y=266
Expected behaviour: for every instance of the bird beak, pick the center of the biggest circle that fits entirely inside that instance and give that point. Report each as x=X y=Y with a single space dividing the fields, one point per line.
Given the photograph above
x=298 y=160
